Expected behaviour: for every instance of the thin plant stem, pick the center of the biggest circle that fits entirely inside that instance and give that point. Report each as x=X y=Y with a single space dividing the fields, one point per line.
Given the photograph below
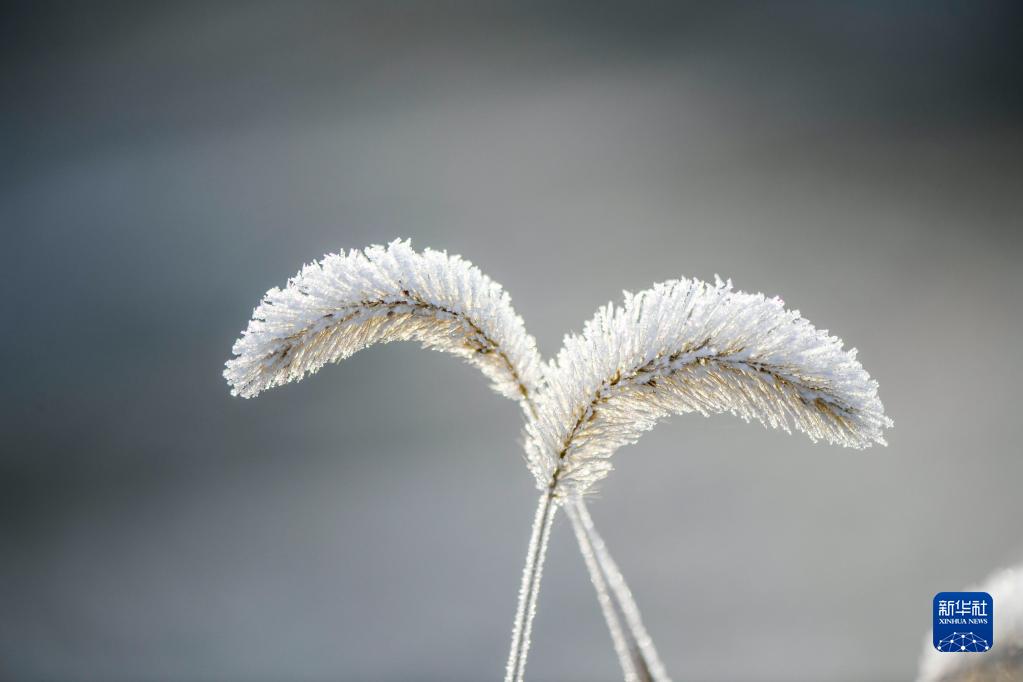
x=648 y=663
x=530 y=589
x=607 y=606
x=636 y=653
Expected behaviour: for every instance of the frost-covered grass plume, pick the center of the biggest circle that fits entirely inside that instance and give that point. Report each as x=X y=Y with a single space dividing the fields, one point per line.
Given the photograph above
x=346 y=302
x=682 y=346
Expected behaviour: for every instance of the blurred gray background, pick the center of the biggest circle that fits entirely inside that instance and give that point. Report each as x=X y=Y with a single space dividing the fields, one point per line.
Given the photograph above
x=164 y=166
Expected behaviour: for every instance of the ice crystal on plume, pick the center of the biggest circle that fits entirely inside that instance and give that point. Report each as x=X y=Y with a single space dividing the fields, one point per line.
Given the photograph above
x=689 y=346
x=338 y=306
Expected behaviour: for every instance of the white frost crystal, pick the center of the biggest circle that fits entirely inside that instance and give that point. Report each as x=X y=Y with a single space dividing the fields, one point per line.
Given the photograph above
x=335 y=307
x=688 y=346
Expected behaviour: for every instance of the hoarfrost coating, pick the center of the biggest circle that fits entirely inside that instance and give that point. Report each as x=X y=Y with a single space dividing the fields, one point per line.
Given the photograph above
x=338 y=306
x=689 y=346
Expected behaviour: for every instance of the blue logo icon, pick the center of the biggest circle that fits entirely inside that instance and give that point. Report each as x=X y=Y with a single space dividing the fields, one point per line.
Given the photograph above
x=963 y=622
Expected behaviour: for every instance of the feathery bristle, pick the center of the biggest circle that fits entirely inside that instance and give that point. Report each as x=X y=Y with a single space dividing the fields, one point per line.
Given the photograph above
x=688 y=346
x=335 y=307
